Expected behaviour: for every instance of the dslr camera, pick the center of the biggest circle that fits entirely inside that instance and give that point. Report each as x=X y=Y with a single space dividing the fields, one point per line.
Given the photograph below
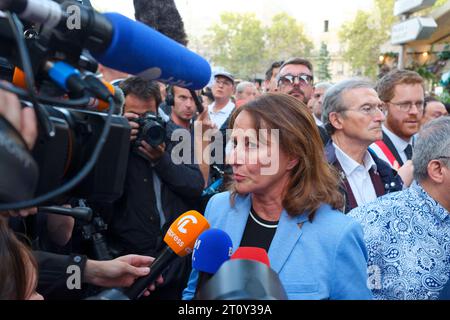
x=152 y=129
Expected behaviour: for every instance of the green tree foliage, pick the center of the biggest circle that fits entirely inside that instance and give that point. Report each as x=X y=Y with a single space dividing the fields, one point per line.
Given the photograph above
x=237 y=43
x=323 y=63
x=241 y=44
x=287 y=38
x=362 y=37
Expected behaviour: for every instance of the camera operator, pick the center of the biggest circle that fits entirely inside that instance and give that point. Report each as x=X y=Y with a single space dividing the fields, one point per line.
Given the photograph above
x=156 y=190
x=122 y=271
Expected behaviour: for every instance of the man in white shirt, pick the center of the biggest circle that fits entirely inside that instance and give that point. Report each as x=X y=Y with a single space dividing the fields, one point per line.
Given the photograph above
x=222 y=89
x=402 y=92
x=353 y=116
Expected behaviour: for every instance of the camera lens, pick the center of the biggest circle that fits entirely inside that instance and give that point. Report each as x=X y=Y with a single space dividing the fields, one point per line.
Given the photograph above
x=155 y=135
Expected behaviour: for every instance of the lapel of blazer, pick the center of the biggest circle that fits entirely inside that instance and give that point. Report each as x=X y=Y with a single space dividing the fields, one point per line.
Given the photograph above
x=286 y=237
x=237 y=219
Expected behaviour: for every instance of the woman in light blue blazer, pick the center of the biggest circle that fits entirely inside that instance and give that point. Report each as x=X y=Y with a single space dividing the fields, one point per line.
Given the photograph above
x=284 y=199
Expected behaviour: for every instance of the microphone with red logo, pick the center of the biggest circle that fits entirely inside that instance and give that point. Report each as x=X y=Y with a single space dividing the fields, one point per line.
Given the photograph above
x=252 y=253
x=246 y=276
x=180 y=240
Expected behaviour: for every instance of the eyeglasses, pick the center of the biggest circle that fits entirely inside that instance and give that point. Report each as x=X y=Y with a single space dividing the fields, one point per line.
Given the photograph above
x=369 y=109
x=443 y=157
x=289 y=80
x=407 y=105
x=223 y=83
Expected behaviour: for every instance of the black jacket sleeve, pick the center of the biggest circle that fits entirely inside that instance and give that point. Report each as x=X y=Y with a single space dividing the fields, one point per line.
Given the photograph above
x=53 y=273
x=186 y=180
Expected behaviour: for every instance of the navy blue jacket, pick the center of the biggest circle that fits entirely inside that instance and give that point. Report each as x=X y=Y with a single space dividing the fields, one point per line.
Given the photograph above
x=392 y=182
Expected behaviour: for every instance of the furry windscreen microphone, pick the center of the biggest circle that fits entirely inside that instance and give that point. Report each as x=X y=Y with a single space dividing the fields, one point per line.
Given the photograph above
x=163 y=16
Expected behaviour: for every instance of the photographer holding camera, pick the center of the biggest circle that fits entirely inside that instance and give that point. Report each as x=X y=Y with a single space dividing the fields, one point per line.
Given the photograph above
x=156 y=190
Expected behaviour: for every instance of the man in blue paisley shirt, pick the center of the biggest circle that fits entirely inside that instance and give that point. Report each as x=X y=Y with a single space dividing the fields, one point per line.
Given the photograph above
x=407 y=233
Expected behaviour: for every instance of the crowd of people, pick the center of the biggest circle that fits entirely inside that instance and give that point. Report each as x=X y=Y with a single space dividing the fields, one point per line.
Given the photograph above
x=345 y=185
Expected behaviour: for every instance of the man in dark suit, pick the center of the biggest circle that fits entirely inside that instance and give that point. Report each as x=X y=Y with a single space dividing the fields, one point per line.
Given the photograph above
x=353 y=114
x=402 y=92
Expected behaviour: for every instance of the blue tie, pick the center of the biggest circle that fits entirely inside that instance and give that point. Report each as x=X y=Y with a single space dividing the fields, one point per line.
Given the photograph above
x=408 y=152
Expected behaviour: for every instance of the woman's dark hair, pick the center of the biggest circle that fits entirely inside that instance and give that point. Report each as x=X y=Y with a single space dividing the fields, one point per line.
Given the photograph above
x=15 y=268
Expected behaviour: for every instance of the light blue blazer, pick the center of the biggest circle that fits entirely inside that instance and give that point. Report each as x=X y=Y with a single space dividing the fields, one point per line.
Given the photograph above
x=325 y=259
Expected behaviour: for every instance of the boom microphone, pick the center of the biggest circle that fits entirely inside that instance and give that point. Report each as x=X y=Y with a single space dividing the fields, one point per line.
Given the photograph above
x=163 y=16
x=151 y=55
x=121 y=43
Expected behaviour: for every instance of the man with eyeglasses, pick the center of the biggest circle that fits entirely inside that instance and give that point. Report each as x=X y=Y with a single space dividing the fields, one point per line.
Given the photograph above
x=403 y=92
x=407 y=232
x=222 y=89
x=353 y=115
x=296 y=79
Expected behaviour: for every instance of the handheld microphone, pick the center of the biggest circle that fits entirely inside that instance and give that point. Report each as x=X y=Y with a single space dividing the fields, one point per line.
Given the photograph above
x=180 y=240
x=240 y=279
x=121 y=43
x=251 y=253
x=211 y=250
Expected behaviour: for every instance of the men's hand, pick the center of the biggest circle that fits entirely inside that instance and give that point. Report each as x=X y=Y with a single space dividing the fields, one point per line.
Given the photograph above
x=204 y=122
x=406 y=172
x=154 y=154
x=24 y=120
x=120 y=272
x=134 y=126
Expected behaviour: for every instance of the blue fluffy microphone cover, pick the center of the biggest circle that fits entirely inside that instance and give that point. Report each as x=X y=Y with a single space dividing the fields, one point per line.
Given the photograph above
x=140 y=50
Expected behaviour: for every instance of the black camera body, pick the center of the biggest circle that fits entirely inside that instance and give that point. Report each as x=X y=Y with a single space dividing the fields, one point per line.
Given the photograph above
x=152 y=129
x=63 y=156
